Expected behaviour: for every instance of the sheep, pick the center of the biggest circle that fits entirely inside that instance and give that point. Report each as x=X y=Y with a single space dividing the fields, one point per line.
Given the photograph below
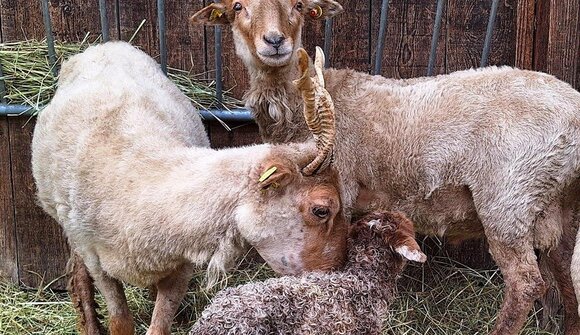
x=353 y=300
x=122 y=162
x=493 y=152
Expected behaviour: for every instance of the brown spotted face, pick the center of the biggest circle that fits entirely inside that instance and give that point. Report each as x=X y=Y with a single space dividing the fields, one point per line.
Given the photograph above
x=266 y=32
x=297 y=223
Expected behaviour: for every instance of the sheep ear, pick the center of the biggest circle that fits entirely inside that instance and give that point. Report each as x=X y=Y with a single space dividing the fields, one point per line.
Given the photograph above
x=403 y=238
x=322 y=9
x=274 y=176
x=213 y=14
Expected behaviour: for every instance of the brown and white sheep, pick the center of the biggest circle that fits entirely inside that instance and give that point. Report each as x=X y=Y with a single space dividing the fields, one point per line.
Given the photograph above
x=121 y=161
x=493 y=152
x=353 y=300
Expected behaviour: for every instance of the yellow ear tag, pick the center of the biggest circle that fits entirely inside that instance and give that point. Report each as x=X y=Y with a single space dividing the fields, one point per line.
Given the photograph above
x=316 y=12
x=267 y=174
x=215 y=13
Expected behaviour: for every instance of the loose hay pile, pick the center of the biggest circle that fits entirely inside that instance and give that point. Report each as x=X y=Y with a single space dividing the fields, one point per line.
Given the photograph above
x=30 y=81
x=450 y=299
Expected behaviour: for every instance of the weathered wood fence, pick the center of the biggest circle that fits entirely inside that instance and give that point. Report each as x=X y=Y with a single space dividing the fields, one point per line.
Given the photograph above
x=533 y=34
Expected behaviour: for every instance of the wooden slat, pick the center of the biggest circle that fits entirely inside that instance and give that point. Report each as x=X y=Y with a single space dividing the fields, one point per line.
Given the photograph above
x=467 y=23
x=313 y=35
x=185 y=42
x=563 y=46
x=351 y=39
x=542 y=35
x=8 y=247
x=526 y=12
x=408 y=38
x=131 y=13
x=235 y=76
x=239 y=136
x=42 y=249
x=21 y=20
x=73 y=19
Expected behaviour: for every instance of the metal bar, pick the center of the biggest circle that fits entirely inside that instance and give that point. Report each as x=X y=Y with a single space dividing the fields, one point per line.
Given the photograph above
x=118 y=18
x=327 y=40
x=233 y=115
x=49 y=37
x=2 y=87
x=489 y=33
x=104 y=21
x=162 y=38
x=218 y=64
x=435 y=39
x=15 y=110
x=381 y=40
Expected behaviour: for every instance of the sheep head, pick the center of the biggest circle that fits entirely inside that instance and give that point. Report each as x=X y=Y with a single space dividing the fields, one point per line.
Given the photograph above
x=386 y=231
x=267 y=32
x=296 y=222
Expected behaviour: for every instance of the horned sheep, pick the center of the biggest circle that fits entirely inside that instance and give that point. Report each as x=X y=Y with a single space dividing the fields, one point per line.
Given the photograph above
x=353 y=300
x=121 y=160
x=492 y=152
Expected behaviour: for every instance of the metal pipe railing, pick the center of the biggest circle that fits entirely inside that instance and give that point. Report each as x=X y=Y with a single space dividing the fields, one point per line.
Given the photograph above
x=242 y=115
x=104 y=21
x=233 y=115
x=2 y=87
x=49 y=37
x=382 y=36
x=435 y=38
x=162 y=37
x=489 y=33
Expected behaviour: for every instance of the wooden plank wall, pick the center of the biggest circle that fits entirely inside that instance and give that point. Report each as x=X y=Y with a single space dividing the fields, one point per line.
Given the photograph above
x=532 y=34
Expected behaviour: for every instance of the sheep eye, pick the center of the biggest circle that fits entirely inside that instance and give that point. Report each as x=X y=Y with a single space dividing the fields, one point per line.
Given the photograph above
x=237 y=6
x=321 y=212
x=299 y=6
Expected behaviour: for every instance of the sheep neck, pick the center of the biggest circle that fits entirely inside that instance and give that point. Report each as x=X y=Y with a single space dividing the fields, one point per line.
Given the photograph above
x=224 y=177
x=275 y=103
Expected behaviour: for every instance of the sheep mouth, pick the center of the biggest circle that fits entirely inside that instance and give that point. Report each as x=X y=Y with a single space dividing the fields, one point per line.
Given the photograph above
x=275 y=57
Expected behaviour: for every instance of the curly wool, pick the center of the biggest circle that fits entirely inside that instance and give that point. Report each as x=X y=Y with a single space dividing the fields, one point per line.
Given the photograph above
x=350 y=301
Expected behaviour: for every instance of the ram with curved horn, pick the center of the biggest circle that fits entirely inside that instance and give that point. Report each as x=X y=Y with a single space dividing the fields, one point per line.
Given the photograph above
x=144 y=200
x=492 y=153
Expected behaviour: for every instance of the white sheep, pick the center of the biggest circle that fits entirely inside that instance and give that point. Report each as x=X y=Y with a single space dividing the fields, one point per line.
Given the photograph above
x=121 y=161
x=353 y=300
x=493 y=152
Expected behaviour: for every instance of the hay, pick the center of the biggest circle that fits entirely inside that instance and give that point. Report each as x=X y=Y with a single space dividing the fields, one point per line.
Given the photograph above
x=442 y=297
x=30 y=81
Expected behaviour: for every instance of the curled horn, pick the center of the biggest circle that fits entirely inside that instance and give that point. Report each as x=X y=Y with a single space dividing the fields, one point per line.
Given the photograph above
x=318 y=110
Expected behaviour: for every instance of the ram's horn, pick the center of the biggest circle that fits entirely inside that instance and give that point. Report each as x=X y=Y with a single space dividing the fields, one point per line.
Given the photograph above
x=318 y=110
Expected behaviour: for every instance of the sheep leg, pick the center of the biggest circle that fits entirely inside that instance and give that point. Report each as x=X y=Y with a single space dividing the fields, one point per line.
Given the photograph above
x=82 y=293
x=523 y=284
x=120 y=319
x=559 y=261
x=170 y=293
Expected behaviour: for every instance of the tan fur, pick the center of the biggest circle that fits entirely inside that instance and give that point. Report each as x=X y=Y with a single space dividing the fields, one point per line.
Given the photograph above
x=121 y=160
x=490 y=151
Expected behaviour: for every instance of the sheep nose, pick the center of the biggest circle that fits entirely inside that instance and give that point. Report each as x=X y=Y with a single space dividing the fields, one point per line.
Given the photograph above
x=274 y=39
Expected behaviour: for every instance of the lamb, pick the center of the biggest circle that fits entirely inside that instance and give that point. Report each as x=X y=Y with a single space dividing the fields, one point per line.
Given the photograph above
x=122 y=162
x=493 y=152
x=353 y=300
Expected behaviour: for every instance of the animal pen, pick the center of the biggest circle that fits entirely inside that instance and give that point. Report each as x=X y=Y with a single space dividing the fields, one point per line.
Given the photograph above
x=397 y=38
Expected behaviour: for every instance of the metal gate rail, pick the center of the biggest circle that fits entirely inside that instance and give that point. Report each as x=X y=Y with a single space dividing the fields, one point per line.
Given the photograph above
x=242 y=115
